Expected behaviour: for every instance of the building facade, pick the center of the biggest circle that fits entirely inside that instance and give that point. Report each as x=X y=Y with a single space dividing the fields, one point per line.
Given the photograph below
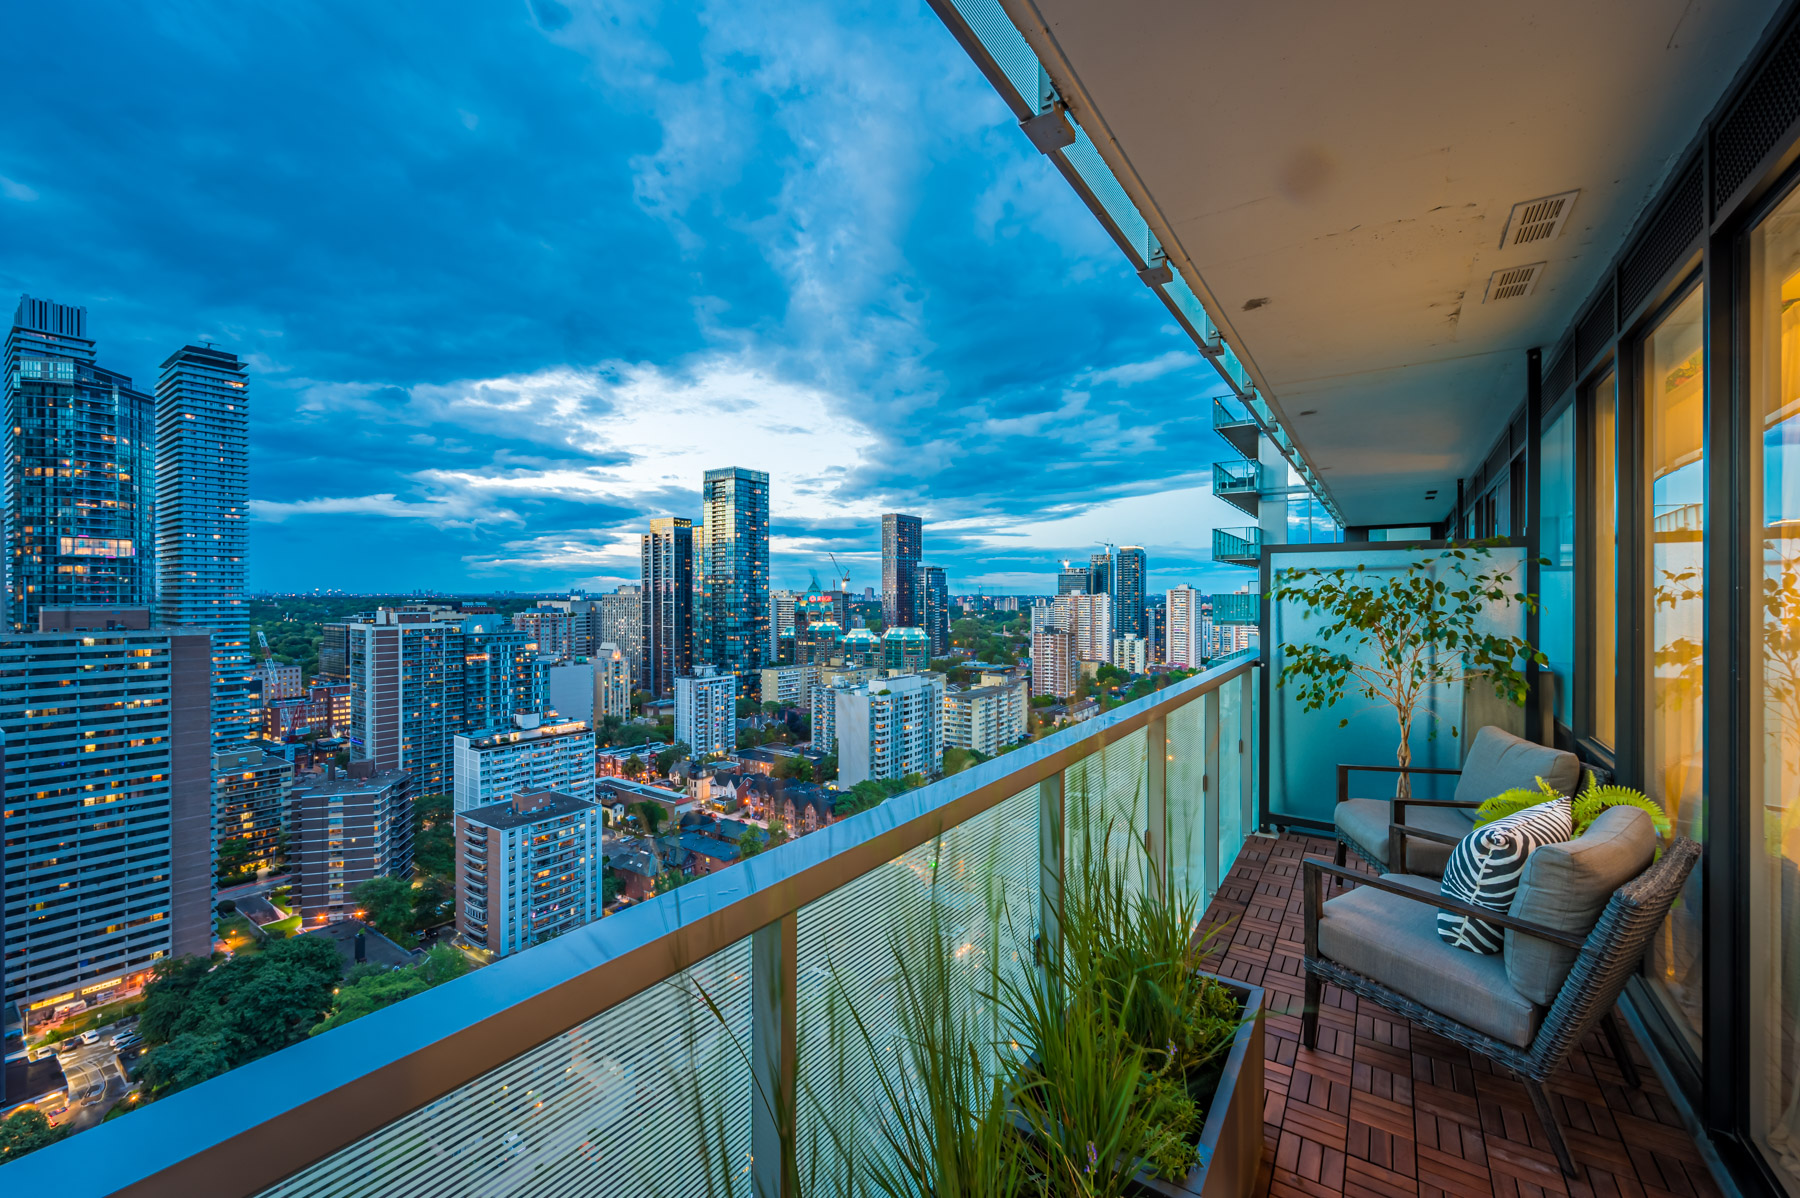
x=890 y=728
x=527 y=870
x=706 y=713
x=789 y=684
x=107 y=729
x=985 y=718
x=666 y=558
x=1187 y=638
x=620 y=622
x=734 y=619
x=528 y=756
x=1130 y=568
x=251 y=792
x=1090 y=619
x=1131 y=653
x=406 y=695
x=553 y=628
x=614 y=673
x=202 y=522
x=781 y=620
x=345 y=827
x=1055 y=664
x=275 y=680
x=931 y=595
x=905 y=649
x=79 y=461
x=902 y=545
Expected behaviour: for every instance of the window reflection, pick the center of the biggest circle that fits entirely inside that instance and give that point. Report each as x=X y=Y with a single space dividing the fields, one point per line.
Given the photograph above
x=1674 y=404
x=1605 y=656
x=1556 y=578
x=1774 y=815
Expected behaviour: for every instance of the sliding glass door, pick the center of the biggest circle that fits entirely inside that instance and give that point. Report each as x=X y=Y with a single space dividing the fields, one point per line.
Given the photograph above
x=1674 y=475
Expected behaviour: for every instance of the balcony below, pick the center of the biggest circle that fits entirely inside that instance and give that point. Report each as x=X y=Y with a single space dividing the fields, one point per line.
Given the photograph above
x=1239 y=484
x=1388 y=1110
x=1233 y=421
x=1237 y=546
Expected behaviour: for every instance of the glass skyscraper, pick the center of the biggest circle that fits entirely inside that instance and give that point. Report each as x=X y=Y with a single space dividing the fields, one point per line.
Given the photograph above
x=733 y=631
x=666 y=559
x=902 y=544
x=1129 y=568
x=931 y=596
x=78 y=509
x=202 y=514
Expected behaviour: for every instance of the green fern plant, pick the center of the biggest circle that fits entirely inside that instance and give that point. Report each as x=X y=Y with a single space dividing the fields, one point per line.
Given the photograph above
x=1588 y=805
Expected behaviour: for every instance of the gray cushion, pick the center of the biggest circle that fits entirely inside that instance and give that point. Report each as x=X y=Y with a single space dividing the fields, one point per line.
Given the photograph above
x=1499 y=761
x=1366 y=822
x=1394 y=941
x=1565 y=887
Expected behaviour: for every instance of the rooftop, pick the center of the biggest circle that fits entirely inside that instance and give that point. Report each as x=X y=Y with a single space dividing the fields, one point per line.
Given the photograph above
x=527 y=808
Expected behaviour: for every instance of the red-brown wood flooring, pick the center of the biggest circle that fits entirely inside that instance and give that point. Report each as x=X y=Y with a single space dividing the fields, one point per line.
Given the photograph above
x=1384 y=1109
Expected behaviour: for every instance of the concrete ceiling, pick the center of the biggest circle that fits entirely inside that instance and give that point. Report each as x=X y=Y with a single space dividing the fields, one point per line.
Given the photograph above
x=1336 y=178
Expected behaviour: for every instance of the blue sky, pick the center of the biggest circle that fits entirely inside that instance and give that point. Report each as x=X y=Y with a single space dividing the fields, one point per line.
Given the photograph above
x=510 y=276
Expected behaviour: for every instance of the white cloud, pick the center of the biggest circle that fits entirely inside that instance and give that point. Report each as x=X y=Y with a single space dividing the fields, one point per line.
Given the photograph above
x=443 y=511
x=12 y=189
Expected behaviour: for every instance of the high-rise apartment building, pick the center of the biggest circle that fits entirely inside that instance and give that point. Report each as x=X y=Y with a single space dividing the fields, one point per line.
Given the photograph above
x=78 y=463
x=528 y=869
x=860 y=647
x=621 y=624
x=902 y=545
x=1055 y=665
x=1130 y=568
x=505 y=673
x=666 y=557
x=985 y=718
x=202 y=518
x=347 y=827
x=613 y=678
x=530 y=755
x=1090 y=619
x=931 y=597
x=250 y=793
x=1156 y=620
x=789 y=684
x=890 y=728
x=406 y=694
x=553 y=628
x=334 y=653
x=706 y=713
x=107 y=728
x=1074 y=580
x=1043 y=615
x=1100 y=573
x=781 y=619
x=1187 y=637
x=734 y=539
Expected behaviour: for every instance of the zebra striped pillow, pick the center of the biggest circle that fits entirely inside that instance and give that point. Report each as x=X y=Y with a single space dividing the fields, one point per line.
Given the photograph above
x=1485 y=867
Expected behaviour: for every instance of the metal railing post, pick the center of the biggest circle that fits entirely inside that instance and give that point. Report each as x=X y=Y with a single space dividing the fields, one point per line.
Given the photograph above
x=774 y=1023
x=1156 y=793
x=1210 y=793
x=1246 y=748
x=1050 y=867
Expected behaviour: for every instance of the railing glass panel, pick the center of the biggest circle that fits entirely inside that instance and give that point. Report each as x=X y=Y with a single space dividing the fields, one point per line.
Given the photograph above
x=1106 y=804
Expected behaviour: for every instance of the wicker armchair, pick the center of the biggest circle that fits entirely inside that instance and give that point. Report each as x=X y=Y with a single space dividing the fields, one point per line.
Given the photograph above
x=1534 y=1039
x=1412 y=835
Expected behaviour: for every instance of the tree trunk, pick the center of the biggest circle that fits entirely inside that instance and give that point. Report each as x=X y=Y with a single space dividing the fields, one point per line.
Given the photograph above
x=1403 y=756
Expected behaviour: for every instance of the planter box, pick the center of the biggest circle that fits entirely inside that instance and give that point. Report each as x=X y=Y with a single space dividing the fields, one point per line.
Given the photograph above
x=1231 y=1144
x=1230 y=1149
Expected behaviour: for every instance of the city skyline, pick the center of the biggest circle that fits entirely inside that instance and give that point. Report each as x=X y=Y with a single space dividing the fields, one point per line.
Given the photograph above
x=514 y=422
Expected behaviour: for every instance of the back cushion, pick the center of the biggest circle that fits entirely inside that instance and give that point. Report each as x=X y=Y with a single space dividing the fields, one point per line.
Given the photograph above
x=1486 y=865
x=1499 y=761
x=1565 y=887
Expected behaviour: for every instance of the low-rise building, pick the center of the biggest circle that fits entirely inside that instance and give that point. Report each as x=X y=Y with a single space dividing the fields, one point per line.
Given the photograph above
x=250 y=800
x=905 y=649
x=890 y=728
x=620 y=796
x=706 y=713
x=347 y=826
x=527 y=870
x=985 y=718
x=278 y=681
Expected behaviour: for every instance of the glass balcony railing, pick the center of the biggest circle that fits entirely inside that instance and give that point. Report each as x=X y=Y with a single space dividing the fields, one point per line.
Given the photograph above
x=633 y=1055
x=1237 y=546
x=1238 y=483
x=1236 y=609
x=1233 y=421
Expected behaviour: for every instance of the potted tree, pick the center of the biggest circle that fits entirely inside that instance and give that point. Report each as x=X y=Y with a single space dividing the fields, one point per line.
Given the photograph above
x=1392 y=640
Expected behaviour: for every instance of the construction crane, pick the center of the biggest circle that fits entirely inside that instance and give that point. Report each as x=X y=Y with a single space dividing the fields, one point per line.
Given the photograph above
x=842 y=573
x=265 y=642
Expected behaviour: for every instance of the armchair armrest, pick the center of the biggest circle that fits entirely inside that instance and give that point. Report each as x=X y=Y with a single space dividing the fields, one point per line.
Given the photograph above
x=1399 y=830
x=1343 y=774
x=1402 y=831
x=1311 y=871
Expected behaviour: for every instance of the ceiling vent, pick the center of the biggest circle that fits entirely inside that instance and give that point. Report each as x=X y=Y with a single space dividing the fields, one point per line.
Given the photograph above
x=1538 y=220
x=1513 y=282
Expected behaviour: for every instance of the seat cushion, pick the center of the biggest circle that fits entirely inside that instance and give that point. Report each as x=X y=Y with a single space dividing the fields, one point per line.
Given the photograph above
x=1394 y=941
x=1486 y=865
x=1366 y=822
x=1566 y=886
x=1499 y=761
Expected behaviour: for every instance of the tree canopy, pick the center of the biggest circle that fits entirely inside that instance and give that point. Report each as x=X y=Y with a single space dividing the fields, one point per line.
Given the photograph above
x=370 y=988
x=26 y=1131
x=387 y=903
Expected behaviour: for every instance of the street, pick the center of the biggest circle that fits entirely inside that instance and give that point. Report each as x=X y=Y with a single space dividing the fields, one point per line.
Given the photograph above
x=93 y=1067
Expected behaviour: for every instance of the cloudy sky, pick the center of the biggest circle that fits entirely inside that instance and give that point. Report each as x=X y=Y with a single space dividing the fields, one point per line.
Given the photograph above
x=509 y=276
